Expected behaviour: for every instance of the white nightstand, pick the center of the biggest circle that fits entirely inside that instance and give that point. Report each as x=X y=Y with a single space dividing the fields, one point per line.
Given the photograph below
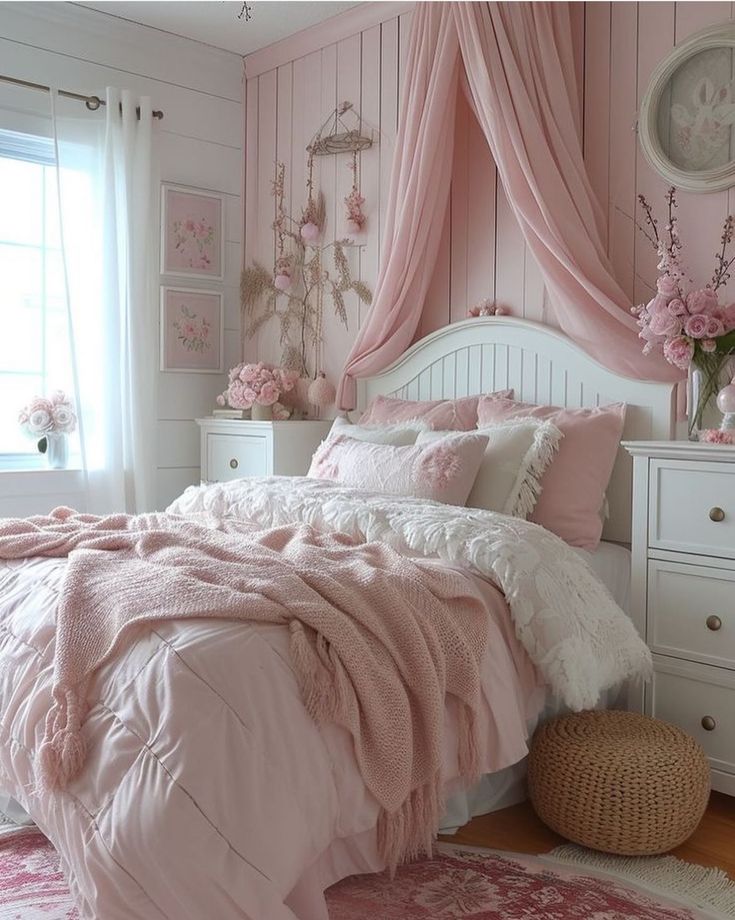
x=683 y=589
x=235 y=448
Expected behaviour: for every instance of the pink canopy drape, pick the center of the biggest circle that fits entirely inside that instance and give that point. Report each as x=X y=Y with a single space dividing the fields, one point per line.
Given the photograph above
x=518 y=71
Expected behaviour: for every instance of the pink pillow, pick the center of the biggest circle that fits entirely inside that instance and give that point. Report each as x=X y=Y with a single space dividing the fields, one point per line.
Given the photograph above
x=573 y=486
x=446 y=414
x=444 y=470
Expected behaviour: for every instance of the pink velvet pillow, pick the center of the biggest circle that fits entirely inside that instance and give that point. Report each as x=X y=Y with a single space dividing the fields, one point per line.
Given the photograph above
x=444 y=470
x=573 y=486
x=440 y=414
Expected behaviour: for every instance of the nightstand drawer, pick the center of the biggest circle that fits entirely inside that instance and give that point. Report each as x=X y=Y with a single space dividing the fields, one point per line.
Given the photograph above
x=236 y=456
x=692 y=507
x=691 y=612
x=701 y=700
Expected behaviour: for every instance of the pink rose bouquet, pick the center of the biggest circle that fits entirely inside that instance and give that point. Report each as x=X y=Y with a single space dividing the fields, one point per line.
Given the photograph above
x=259 y=383
x=691 y=327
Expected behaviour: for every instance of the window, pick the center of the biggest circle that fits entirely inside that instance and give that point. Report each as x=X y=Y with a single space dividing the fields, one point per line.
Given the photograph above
x=33 y=315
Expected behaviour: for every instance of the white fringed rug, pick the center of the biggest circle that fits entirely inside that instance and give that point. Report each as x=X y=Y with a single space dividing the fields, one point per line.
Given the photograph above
x=708 y=889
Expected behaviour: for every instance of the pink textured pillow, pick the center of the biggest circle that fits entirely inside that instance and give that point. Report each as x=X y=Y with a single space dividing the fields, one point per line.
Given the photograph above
x=573 y=486
x=444 y=470
x=440 y=414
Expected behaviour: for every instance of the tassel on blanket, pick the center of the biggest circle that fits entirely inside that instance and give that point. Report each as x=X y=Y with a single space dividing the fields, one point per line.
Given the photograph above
x=62 y=752
x=408 y=833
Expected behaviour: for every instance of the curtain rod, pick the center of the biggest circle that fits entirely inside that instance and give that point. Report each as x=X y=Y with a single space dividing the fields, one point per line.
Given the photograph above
x=91 y=102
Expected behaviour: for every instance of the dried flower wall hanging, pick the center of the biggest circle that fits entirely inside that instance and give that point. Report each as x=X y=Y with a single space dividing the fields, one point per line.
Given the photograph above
x=306 y=273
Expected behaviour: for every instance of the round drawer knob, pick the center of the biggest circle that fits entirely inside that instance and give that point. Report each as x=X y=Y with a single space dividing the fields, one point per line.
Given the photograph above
x=714 y=623
x=234 y=464
x=708 y=723
x=716 y=514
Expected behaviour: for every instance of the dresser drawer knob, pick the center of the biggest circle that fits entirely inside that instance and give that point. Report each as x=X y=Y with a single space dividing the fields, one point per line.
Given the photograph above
x=708 y=723
x=234 y=464
x=716 y=514
x=714 y=623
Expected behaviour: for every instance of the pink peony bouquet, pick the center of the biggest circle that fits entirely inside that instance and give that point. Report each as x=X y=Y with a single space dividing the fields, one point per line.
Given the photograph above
x=256 y=383
x=690 y=327
x=48 y=415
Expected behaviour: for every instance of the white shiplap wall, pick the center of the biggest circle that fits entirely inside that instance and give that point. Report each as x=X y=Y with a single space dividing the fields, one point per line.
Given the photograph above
x=200 y=143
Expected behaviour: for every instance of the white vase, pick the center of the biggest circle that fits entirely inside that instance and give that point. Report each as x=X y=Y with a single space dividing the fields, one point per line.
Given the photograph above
x=57 y=450
x=261 y=413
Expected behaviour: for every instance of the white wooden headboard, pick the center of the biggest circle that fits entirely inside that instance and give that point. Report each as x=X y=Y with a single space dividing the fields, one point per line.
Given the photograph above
x=543 y=366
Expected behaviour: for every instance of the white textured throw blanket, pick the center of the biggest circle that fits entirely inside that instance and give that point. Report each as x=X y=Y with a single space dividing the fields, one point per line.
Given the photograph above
x=572 y=629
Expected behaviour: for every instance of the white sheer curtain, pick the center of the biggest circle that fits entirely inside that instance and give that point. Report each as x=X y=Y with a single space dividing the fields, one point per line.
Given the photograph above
x=106 y=190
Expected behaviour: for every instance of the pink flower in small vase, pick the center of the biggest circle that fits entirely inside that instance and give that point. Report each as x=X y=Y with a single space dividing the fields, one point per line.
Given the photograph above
x=700 y=302
x=679 y=351
x=717 y=436
x=677 y=307
x=696 y=326
x=715 y=326
x=220 y=400
x=663 y=323
x=666 y=286
x=268 y=394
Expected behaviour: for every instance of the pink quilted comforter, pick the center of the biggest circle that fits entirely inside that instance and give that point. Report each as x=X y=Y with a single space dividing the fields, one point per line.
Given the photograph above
x=208 y=790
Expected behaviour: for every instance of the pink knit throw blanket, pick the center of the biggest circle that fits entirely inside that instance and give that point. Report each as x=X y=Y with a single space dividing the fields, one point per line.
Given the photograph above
x=377 y=640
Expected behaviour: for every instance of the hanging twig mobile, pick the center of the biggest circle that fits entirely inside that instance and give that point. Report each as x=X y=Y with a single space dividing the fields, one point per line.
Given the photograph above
x=295 y=291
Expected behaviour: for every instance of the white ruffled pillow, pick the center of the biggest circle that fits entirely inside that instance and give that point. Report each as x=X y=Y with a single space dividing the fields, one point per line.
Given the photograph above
x=399 y=435
x=443 y=471
x=517 y=453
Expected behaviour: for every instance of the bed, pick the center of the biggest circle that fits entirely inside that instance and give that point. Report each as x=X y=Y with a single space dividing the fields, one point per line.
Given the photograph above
x=207 y=788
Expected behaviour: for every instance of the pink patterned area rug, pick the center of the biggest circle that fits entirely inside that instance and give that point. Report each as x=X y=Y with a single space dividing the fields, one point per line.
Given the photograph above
x=456 y=883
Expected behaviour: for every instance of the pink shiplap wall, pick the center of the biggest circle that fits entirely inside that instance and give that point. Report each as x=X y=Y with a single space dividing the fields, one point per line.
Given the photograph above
x=292 y=87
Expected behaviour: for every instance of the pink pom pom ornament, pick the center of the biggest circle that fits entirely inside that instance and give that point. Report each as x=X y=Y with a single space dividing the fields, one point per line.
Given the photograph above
x=310 y=232
x=321 y=392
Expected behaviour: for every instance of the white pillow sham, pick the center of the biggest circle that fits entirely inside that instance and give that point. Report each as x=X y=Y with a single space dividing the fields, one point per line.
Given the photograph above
x=399 y=435
x=517 y=453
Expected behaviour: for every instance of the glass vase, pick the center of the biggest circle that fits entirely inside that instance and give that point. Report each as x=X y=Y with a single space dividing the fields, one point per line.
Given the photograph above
x=57 y=450
x=704 y=381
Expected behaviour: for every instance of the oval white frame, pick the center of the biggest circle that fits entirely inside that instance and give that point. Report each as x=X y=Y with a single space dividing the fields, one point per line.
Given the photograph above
x=710 y=180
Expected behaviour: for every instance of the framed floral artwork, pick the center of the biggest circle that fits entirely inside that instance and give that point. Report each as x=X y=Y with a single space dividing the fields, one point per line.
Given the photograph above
x=192 y=232
x=192 y=331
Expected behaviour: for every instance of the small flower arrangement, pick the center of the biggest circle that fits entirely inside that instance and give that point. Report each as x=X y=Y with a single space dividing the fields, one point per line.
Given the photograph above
x=256 y=384
x=487 y=307
x=48 y=415
x=690 y=327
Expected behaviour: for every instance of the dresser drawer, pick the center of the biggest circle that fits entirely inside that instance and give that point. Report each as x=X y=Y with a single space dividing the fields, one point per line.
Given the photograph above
x=691 y=612
x=692 y=507
x=693 y=696
x=237 y=456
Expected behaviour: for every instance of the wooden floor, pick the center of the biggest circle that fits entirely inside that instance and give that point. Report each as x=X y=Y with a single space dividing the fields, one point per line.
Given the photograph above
x=517 y=828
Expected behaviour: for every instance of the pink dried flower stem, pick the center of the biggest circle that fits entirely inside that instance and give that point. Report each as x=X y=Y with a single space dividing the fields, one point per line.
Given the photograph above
x=722 y=271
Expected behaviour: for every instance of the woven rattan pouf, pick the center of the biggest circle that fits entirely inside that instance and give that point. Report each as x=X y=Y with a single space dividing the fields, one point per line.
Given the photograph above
x=618 y=781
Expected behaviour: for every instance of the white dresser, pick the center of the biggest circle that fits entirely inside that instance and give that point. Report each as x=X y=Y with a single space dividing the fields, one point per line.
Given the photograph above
x=683 y=589
x=235 y=448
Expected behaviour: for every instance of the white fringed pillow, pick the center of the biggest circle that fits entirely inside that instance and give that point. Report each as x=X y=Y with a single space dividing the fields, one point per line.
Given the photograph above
x=517 y=453
x=399 y=435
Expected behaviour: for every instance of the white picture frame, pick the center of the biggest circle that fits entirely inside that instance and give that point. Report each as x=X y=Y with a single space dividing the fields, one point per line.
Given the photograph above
x=192 y=232
x=192 y=334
